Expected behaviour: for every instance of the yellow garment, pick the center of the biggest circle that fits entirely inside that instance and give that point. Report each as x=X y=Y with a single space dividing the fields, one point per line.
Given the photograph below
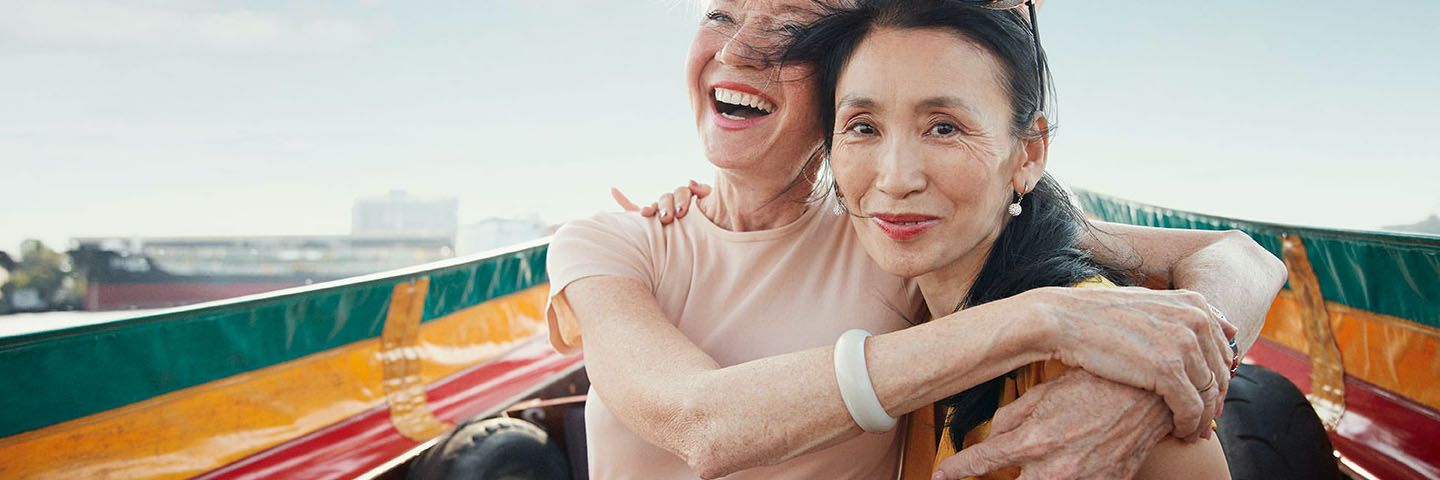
x=922 y=455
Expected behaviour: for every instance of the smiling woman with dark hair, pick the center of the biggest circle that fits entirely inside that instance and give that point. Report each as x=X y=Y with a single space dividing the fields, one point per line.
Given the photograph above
x=939 y=149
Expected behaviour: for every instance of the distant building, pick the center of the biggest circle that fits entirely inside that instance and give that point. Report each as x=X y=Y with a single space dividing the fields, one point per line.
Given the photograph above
x=400 y=214
x=1429 y=225
x=158 y=272
x=492 y=233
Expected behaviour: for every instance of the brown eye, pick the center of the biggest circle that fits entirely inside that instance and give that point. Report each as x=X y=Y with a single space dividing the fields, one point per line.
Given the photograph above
x=861 y=128
x=944 y=129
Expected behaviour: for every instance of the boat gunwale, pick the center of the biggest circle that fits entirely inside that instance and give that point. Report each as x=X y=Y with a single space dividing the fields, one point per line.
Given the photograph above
x=172 y=313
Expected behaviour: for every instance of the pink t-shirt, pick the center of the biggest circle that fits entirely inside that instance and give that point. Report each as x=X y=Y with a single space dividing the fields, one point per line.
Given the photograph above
x=739 y=296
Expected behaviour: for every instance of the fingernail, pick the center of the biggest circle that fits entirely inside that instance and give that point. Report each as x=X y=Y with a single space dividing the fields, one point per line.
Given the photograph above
x=677 y=211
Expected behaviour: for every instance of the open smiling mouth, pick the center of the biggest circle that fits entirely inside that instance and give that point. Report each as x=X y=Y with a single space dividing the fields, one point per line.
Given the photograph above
x=741 y=106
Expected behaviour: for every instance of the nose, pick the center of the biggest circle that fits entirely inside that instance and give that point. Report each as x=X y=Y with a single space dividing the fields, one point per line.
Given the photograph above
x=750 y=47
x=900 y=171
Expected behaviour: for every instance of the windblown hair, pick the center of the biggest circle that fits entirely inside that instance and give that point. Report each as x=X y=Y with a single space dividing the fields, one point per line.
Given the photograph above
x=1039 y=248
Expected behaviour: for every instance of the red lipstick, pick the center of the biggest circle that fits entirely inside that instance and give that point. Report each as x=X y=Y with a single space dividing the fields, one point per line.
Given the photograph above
x=904 y=226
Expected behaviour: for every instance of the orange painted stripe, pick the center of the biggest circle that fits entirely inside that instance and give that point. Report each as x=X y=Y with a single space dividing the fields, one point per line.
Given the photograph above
x=1392 y=353
x=192 y=431
x=462 y=339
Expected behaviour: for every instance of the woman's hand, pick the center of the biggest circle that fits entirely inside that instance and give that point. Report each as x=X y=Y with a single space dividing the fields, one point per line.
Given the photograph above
x=670 y=207
x=1075 y=426
x=1165 y=341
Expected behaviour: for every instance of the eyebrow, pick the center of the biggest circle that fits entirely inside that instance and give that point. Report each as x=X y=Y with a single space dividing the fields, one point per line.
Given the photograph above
x=859 y=102
x=945 y=102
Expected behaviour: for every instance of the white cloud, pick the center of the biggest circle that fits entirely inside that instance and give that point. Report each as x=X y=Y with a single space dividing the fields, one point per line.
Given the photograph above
x=108 y=24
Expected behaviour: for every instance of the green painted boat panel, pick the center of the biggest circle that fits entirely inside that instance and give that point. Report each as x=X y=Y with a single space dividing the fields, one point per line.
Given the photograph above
x=1394 y=274
x=70 y=373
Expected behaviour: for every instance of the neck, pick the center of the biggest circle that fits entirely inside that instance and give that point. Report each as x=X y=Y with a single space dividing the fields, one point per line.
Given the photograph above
x=946 y=287
x=746 y=201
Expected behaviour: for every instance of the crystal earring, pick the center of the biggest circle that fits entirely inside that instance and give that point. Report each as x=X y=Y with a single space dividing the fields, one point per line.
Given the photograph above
x=1015 y=209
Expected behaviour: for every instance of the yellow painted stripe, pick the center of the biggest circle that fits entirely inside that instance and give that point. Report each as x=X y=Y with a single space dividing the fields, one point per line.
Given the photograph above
x=192 y=431
x=462 y=339
x=1393 y=353
x=409 y=410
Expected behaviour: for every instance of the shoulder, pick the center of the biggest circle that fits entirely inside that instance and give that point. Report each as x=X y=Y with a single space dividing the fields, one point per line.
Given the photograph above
x=607 y=230
x=604 y=224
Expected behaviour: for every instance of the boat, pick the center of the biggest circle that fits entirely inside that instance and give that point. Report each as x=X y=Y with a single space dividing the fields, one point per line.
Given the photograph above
x=370 y=376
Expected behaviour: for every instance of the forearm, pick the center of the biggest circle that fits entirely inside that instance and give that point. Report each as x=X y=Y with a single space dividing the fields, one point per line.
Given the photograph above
x=1233 y=272
x=753 y=426
x=1238 y=277
x=769 y=410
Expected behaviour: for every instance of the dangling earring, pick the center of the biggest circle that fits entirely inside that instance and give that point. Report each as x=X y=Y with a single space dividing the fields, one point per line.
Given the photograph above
x=1015 y=209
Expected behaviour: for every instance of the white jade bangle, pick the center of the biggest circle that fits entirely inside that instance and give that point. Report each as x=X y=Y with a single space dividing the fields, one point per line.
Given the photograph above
x=855 y=388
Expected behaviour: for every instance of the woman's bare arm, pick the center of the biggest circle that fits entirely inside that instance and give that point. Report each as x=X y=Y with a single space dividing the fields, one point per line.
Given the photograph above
x=1173 y=458
x=1233 y=272
x=721 y=420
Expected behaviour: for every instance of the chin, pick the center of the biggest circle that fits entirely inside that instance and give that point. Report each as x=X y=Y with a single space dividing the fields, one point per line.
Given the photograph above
x=901 y=262
x=729 y=153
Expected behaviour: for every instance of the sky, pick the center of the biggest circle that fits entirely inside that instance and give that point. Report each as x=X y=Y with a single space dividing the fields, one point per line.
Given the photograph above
x=208 y=117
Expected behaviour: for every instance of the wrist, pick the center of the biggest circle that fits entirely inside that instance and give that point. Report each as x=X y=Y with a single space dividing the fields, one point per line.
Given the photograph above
x=1042 y=326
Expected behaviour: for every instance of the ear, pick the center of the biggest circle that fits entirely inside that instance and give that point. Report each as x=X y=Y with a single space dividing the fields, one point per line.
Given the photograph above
x=1032 y=158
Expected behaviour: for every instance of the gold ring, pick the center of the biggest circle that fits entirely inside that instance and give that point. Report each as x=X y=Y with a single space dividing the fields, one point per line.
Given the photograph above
x=1210 y=385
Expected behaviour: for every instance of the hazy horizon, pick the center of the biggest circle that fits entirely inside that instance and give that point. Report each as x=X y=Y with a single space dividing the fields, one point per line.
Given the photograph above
x=218 y=118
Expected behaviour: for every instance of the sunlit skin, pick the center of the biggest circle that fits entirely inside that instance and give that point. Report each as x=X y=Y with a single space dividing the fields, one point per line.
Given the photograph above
x=757 y=157
x=926 y=158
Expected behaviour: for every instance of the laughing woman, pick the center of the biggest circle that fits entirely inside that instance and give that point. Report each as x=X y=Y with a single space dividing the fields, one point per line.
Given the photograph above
x=939 y=155
x=708 y=342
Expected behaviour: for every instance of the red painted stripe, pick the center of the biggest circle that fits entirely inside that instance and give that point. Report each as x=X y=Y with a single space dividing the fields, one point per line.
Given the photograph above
x=368 y=440
x=1389 y=435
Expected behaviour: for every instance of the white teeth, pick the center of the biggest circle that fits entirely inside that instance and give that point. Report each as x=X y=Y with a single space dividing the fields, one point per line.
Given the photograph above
x=732 y=97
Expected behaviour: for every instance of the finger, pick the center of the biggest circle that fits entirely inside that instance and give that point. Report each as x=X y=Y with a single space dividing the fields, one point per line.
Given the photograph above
x=649 y=210
x=1182 y=397
x=1227 y=355
x=1220 y=369
x=1211 y=337
x=667 y=208
x=1012 y=415
x=1212 y=400
x=1202 y=360
x=699 y=189
x=624 y=201
x=682 y=201
x=1229 y=329
x=996 y=452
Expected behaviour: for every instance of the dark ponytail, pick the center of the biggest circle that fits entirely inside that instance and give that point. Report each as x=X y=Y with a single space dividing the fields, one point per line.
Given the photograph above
x=1039 y=248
